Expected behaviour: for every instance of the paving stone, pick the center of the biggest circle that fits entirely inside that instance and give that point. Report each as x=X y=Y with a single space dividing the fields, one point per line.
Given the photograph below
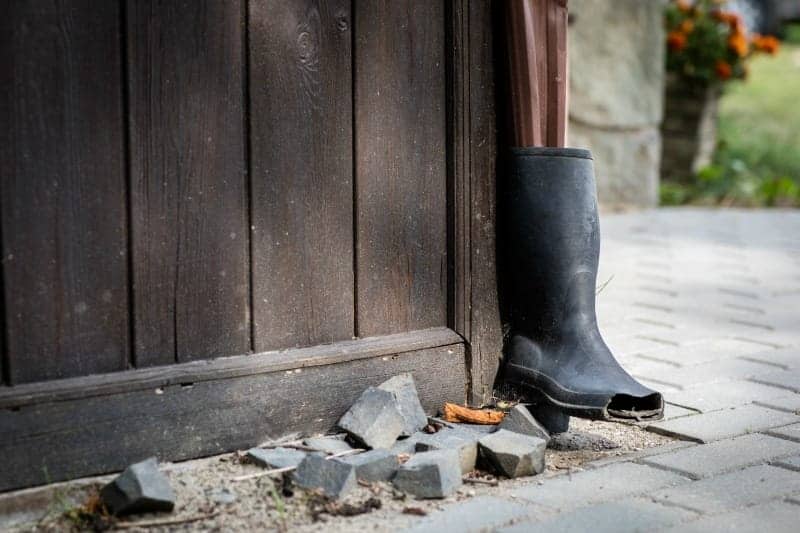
x=723 y=395
x=612 y=482
x=788 y=357
x=374 y=419
x=329 y=445
x=333 y=478
x=791 y=432
x=675 y=411
x=712 y=372
x=512 y=454
x=433 y=474
x=724 y=455
x=789 y=403
x=772 y=517
x=481 y=513
x=374 y=465
x=405 y=390
x=706 y=350
x=612 y=517
x=786 y=379
x=276 y=457
x=520 y=420
x=717 y=425
x=140 y=488
x=462 y=441
x=731 y=491
x=792 y=463
x=408 y=445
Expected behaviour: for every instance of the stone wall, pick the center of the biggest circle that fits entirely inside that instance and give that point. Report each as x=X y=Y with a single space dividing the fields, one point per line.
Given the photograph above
x=616 y=94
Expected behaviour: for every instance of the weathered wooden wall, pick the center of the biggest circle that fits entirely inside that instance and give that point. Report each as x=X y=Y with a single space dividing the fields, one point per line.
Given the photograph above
x=185 y=181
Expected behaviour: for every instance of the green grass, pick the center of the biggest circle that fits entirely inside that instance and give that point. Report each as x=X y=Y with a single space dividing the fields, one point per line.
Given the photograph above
x=758 y=156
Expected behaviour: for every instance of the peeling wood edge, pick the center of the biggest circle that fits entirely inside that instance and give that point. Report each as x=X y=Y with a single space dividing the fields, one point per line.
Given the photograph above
x=224 y=367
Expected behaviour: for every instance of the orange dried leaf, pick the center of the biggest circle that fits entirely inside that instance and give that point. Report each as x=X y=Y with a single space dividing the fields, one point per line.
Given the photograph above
x=457 y=413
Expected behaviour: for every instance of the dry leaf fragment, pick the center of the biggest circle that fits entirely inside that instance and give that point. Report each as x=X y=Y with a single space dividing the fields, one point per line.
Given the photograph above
x=457 y=413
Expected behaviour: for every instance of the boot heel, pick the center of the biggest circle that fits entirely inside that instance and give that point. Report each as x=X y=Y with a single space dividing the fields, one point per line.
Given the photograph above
x=552 y=418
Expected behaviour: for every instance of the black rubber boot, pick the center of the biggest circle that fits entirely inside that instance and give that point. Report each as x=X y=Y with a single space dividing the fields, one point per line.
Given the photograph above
x=556 y=358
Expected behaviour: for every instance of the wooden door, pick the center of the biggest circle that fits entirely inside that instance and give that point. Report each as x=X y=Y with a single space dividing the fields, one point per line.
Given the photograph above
x=222 y=220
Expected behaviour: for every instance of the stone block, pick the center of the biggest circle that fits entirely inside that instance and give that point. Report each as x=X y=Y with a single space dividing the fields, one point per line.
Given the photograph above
x=520 y=420
x=374 y=465
x=405 y=390
x=513 y=454
x=724 y=455
x=140 y=488
x=617 y=80
x=434 y=474
x=717 y=425
x=732 y=491
x=374 y=420
x=634 y=514
x=328 y=445
x=276 y=457
x=332 y=478
x=613 y=482
x=462 y=441
x=791 y=432
x=773 y=517
x=482 y=513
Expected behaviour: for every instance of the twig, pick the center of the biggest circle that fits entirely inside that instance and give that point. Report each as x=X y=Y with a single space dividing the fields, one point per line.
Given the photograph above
x=166 y=521
x=290 y=468
x=479 y=481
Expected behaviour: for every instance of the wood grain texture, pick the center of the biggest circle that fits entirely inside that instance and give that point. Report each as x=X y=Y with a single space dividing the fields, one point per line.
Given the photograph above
x=182 y=421
x=558 y=84
x=189 y=187
x=472 y=163
x=301 y=157
x=401 y=248
x=62 y=189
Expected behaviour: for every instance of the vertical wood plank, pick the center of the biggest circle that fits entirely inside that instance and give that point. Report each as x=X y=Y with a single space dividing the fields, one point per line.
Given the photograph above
x=400 y=166
x=62 y=189
x=301 y=157
x=189 y=207
x=473 y=158
x=556 y=72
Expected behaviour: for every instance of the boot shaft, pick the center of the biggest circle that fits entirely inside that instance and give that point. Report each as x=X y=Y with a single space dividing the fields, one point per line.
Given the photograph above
x=553 y=240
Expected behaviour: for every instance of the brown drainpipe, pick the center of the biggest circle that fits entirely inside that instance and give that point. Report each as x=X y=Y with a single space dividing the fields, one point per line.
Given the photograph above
x=537 y=50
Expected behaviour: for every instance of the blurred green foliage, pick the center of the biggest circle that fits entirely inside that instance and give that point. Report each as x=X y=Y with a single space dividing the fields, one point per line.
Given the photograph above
x=757 y=162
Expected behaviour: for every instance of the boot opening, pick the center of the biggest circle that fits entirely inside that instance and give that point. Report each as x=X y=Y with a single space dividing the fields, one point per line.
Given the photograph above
x=636 y=407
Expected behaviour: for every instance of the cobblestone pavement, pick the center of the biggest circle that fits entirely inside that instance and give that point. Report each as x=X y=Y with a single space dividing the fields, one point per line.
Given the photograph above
x=704 y=306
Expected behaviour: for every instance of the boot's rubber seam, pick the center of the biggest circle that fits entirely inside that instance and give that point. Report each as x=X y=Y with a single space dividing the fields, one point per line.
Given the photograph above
x=537 y=374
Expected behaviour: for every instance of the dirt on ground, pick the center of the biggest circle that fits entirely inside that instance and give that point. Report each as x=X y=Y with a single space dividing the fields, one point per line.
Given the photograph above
x=213 y=496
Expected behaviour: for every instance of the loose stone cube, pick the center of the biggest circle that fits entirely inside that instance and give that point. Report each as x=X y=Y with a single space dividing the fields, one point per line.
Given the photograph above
x=374 y=465
x=462 y=441
x=520 y=420
x=333 y=478
x=374 y=419
x=276 y=457
x=435 y=474
x=141 y=488
x=410 y=407
x=512 y=454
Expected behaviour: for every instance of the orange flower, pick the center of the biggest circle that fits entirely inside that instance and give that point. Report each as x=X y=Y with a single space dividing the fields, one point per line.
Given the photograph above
x=687 y=26
x=684 y=5
x=766 y=43
x=733 y=20
x=738 y=43
x=676 y=41
x=723 y=70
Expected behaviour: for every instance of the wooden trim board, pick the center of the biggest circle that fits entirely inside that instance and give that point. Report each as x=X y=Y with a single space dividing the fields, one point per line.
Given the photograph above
x=87 y=426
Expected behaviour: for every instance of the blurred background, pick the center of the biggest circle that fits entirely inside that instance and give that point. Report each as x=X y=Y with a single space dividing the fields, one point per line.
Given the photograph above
x=688 y=102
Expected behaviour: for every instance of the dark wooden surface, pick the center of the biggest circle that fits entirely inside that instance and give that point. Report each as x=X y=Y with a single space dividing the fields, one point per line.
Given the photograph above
x=400 y=164
x=472 y=156
x=302 y=188
x=41 y=441
x=62 y=190
x=189 y=186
